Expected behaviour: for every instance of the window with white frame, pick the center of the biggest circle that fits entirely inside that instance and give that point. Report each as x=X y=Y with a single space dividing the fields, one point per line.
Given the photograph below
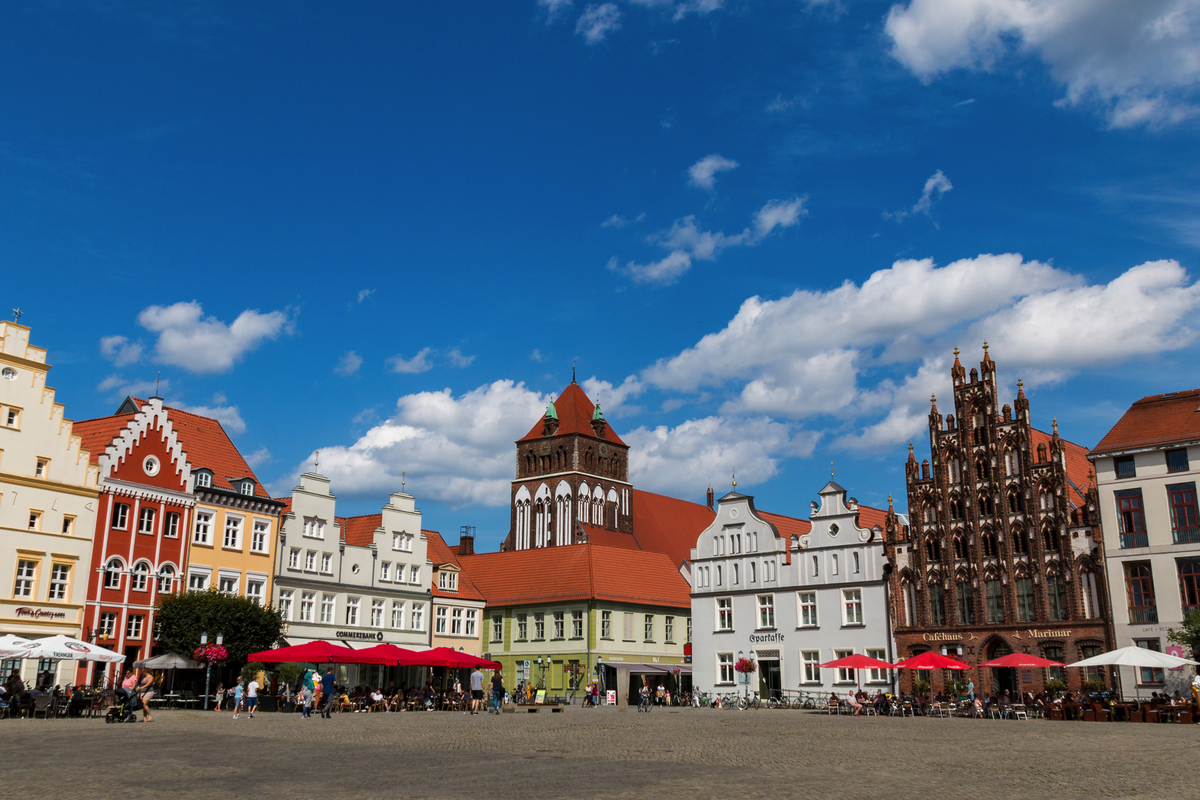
x=456 y=622
x=294 y=558
x=576 y=624
x=26 y=574
x=314 y=528
x=852 y=603
x=448 y=581
x=397 y=541
x=166 y=579
x=522 y=627
x=326 y=563
x=171 y=529
x=766 y=611
x=385 y=571
x=808 y=609
x=39 y=471
x=202 y=533
x=811 y=660
x=397 y=615
x=418 y=616
x=108 y=625
x=854 y=556
x=285 y=604
x=310 y=561
x=844 y=675
x=112 y=574
x=308 y=601
x=327 y=608
x=35 y=520
x=203 y=480
x=441 y=620
x=414 y=574
x=120 y=516
x=497 y=628
x=877 y=675
x=724 y=613
x=233 y=532
x=559 y=625
x=352 y=606
x=254 y=590
x=605 y=624
x=198 y=580
x=146 y=520
x=725 y=668
x=228 y=584
x=539 y=626
x=258 y=538
x=247 y=487
x=669 y=630
x=376 y=613
x=60 y=575
x=140 y=576
x=133 y=626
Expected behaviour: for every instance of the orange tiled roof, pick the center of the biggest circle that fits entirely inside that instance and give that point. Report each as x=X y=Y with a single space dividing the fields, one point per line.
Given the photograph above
x=360 y=531
x=439 y=553
x=1079 y=469
x=574 y=416
x=97 y=434
x=668 y=525
x=1158 y=419
x=603 y=536
x=578 y=572
x=787 y=526
x=869 y=517
x=287 y=504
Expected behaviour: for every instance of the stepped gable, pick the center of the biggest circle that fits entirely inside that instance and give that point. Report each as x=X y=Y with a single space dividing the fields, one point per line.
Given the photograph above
x=668 y=525
x=1079 y=469
x=439 y=553
x=575 y=412
x=97 y=434
x=577 y=572
x=1156 y=419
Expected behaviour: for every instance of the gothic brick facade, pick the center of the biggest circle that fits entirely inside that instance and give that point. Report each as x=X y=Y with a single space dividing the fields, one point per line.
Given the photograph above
x=572 y=471
x=1002 y=552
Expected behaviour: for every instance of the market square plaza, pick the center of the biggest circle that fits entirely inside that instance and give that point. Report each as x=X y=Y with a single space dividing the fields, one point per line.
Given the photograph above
x=693 y=753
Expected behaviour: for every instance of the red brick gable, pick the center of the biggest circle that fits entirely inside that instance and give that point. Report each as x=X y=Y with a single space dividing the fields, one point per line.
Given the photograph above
x=1079 y=469
x=1158 y=419
x=574 y=411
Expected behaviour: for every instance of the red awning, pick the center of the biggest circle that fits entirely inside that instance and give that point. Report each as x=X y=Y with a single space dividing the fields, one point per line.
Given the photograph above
x=857 y=661
x=318 y=652
x=1021 y=660
x=931 y=660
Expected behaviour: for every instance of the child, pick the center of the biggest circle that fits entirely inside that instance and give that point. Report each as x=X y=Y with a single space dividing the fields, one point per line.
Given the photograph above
x=237 y=698
x=220 y=696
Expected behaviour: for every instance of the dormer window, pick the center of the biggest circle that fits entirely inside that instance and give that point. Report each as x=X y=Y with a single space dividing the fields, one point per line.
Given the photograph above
x=448 y=581
x=247 y=487
x=203 y=480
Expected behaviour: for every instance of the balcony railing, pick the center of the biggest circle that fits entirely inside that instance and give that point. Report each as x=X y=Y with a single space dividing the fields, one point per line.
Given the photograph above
x=1135 y=540
x=1186 y=535
x=1141 y=616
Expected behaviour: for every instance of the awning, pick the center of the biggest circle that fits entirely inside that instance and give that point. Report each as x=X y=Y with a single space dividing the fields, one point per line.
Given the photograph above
x=666 y=669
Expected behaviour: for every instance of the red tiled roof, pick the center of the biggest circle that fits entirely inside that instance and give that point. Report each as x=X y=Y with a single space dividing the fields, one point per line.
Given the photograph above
x=603 y=536
x=439 y=554
x=287 y=504
x=1079 y=469
x=574 y=411
x=787 y=526
x=668 y=525
x=360 y=531
x=204 y=442
x=869 y=517
x=578 y=572
x=1158 y=419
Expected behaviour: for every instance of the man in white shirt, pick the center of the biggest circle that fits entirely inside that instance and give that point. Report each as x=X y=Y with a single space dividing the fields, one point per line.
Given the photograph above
x=476 y=689
x=252 y=697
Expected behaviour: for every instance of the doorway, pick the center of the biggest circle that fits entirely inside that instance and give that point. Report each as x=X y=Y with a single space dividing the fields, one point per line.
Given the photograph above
x=770 y=678
x=1003 y=678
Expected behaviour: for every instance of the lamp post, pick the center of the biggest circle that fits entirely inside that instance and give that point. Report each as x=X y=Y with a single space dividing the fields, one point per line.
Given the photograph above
x=543 y=665
x=600 y=671
x=208 y=664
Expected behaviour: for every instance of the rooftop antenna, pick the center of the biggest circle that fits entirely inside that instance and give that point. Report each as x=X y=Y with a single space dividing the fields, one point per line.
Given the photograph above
x=157 y=376
x=17 y=315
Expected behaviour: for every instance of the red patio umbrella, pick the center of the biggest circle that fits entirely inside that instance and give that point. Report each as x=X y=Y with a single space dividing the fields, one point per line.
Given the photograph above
x=391 y=654
x=1021 y=660
x=444 y=657
x=931 y=660
x=857 y=661
x=318 y=652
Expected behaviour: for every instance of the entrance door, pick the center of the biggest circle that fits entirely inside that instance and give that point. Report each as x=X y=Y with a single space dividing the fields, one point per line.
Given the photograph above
x=770 y=678
x=1003 y=678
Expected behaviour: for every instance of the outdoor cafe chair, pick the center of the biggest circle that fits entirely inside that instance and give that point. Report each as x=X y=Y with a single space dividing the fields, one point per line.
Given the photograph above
x=42 y=704
x=835 y=707
x=1018 y=712
x=906 y=707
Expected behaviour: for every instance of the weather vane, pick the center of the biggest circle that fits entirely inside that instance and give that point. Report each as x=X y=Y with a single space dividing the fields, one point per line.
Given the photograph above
x=832 y=468
x=316 y=458
x=734 y=476
x=403 y=476
x=17 y=315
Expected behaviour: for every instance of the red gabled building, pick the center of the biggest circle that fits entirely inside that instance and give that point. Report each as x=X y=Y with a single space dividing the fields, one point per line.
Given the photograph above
x=140 y=546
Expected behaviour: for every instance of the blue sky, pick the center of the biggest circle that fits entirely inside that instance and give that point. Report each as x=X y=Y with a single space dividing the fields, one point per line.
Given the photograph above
x=759 y=228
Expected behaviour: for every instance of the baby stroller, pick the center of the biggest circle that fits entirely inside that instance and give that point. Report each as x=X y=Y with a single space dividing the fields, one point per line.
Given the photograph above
x=126 y=707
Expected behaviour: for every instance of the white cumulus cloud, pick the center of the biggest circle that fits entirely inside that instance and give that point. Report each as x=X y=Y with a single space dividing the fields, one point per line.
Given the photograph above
x=411 y=366
x=936 y=183
x=348 y=364
x=703 y=174
x=120 y=350
x=188 y=339
x=597 y=22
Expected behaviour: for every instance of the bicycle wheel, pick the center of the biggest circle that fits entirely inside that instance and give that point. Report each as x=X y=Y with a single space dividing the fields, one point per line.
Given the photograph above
x=742 y=704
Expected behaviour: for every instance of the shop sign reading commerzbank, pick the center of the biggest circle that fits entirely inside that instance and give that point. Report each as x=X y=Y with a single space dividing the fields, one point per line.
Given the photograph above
x=1031 y=633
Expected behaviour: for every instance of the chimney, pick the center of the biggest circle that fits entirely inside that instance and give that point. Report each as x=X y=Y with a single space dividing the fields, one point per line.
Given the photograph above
x=466 y=540
x=711 y=506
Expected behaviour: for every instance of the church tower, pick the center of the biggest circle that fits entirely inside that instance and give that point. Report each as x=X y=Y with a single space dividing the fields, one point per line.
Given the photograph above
x=572 y=472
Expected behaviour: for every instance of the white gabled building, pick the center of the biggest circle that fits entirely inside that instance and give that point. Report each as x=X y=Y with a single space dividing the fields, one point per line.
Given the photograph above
x=790 y=600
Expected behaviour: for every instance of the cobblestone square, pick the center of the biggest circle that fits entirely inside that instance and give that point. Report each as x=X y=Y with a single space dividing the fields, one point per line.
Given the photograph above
x=596 y=754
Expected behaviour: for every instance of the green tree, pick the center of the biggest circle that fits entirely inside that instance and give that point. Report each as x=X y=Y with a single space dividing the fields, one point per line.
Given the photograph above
x=1189 y=635
x=246 y=626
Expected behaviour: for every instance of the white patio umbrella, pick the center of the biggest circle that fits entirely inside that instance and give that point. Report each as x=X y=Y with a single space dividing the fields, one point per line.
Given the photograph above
x=64 y=648
x=167 y=661
x=14 y=646
x=1134 y=656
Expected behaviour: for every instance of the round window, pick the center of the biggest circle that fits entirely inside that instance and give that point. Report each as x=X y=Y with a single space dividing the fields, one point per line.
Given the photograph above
x=9 y=374
x=150 y=465
x=354 y=569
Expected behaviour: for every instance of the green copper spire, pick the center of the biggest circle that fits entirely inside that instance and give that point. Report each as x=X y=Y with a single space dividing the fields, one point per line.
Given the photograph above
x=551 y=412
x=597 y=414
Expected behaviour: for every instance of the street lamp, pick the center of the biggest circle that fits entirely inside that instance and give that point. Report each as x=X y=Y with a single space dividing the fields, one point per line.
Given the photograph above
x=208 y=664
x=600 y=670
x=543 y=665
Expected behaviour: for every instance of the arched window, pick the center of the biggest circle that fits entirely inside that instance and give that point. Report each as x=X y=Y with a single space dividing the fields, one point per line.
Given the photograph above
x=991 y=548
x=718 y=575
x=141 y=573
x=753 y=572
x=856 y=564
x=981 y=470
x=112 y=574
x=986 y=509
x=956 y=509
x=736 y=574
x=1050 y=539
x=933 y=550
x=166 y=579
x=960 y=548
x=1020 y=540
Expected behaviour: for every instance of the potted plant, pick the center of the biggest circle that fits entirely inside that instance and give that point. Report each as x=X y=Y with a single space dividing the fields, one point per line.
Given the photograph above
x=921 y=687
x=1055 y=687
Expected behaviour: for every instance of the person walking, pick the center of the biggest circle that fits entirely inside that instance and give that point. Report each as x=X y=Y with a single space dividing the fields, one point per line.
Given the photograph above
x=497 y=691
x=328 y=686
x=306 y=697
x=971 y=691
x=252 y=696
x=145 y=691
x=220 y=697
x=237 y=697
x=476 y=689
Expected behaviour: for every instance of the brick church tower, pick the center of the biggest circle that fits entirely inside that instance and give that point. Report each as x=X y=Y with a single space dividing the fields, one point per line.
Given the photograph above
x=572 y=473
x=1001 y=553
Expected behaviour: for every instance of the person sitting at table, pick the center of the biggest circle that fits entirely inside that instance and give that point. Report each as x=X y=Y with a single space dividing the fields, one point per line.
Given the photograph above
x=377 y=703
x=977 y=708
x=880 y=701
x=852 y=701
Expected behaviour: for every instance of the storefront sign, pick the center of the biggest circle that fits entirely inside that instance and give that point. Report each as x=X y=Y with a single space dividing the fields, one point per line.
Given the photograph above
x=941 y=637
x=1048 y=634
x=766 y=637
x=39 y=613
x=360 y=635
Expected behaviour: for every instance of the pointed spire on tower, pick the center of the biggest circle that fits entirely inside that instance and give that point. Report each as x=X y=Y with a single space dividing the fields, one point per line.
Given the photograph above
x=957 y=363
x=1054 y=422
x=911 y=457
x=572 y=370
x=890 y=509
x=986 y=355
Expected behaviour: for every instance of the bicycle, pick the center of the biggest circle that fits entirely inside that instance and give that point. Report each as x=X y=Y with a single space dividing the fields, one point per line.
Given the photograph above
x=744 y=702
x=644 y=704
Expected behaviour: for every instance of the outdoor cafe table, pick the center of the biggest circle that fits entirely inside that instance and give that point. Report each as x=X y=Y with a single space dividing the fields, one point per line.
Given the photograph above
x=1123 y=710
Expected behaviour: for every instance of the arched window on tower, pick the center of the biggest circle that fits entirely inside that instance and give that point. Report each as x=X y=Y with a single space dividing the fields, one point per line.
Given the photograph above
x=1020 y=542
x=933 y=549
x=991 y=547
x=960 y=547
x=986 y=509
x=982 y=471
x=1050 y=539
x=956 y=508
